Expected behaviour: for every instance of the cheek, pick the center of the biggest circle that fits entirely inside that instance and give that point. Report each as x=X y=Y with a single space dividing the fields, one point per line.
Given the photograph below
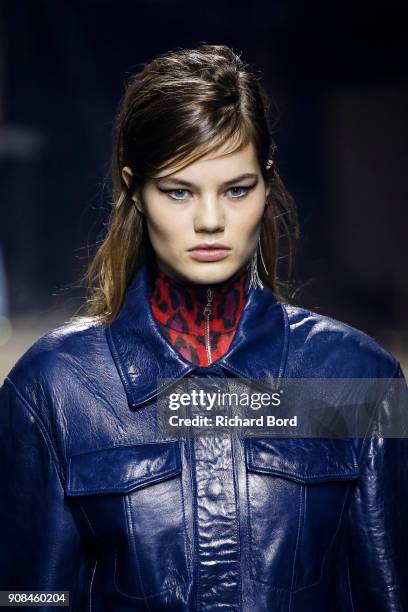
x=166 y=226
x=246 y=222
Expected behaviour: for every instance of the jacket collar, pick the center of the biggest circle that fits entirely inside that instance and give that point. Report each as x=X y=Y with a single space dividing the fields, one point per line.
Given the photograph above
x=142 y=354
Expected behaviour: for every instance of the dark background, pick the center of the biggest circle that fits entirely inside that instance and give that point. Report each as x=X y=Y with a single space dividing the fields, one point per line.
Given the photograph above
x=338 y=75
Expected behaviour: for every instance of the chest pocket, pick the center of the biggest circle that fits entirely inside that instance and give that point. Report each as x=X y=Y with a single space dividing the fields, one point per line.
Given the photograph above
x=297 y=491
x=132 y=498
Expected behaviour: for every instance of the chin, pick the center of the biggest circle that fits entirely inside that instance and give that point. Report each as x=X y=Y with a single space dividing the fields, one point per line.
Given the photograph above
x=211 y=273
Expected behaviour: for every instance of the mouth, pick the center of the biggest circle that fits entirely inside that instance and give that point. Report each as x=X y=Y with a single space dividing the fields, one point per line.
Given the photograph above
x=206 y=252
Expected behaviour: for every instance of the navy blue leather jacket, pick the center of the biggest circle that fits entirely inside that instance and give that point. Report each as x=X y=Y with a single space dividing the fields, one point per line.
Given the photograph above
x=94 y=503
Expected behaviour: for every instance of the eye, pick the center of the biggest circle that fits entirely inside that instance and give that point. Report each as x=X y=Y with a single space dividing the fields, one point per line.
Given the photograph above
x=176 y=191
x=244 y=189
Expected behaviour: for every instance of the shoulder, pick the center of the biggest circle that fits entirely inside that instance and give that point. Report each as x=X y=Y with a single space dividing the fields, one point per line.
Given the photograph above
x=336 y=347
x=57 y=355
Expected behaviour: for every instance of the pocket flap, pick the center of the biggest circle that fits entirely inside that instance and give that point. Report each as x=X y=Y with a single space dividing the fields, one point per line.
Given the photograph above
x=303 y=460
x=121 y=469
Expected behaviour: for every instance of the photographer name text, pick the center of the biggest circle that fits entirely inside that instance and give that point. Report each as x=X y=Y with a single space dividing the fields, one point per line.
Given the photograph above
x=269 y=420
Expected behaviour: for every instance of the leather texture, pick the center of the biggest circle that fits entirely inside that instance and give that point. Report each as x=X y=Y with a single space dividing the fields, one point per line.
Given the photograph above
x=94 y=502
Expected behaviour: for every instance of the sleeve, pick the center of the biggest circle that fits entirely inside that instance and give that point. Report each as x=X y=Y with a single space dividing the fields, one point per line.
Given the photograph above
x=40 y=546
x=377 y=540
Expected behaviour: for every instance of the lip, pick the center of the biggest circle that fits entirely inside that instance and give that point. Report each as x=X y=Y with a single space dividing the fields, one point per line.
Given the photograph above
x=209 y=252
x=209 y=245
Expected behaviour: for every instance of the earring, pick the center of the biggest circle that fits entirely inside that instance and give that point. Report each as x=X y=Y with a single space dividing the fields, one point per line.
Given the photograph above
x=255 y=280
x=262 y=259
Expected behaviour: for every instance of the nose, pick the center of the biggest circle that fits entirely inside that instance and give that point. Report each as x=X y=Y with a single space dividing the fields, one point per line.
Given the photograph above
x=209 y=215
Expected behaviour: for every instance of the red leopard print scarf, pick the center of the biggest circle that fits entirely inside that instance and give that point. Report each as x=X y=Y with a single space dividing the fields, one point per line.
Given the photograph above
x=200 y=335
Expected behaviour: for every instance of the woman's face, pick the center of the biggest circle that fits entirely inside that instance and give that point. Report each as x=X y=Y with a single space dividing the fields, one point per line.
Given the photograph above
x=210 y=201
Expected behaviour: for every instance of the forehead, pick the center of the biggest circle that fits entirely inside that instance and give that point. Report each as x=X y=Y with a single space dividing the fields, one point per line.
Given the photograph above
x=217 y=162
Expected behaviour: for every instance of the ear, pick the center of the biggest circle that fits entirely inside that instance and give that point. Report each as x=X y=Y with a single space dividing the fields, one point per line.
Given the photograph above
x=127 y=175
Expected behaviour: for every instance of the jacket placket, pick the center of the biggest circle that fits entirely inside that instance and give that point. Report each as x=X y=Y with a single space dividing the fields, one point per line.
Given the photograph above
x=217 y=564
x=217 y=551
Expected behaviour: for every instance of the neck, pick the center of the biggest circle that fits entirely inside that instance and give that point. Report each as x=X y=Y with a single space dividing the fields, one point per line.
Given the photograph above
x=199 y=320
x=199 y=291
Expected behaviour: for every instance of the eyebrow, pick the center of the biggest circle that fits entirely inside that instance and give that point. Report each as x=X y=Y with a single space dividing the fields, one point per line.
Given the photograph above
x=179 y=181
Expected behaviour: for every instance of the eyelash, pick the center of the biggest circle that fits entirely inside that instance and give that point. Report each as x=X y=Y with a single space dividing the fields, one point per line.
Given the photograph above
x=168 y=191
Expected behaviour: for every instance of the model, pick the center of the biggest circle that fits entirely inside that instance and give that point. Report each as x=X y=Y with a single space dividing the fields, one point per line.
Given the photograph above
x=96 y=498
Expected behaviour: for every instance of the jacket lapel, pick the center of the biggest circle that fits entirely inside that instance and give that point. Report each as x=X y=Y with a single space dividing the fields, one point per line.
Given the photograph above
x=142 y=355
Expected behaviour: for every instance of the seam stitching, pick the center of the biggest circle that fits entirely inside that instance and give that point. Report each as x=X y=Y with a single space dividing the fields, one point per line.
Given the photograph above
x=42 y=428
x=301 y=519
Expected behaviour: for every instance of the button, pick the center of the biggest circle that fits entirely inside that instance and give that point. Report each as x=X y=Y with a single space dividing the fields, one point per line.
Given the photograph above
x=214 y=488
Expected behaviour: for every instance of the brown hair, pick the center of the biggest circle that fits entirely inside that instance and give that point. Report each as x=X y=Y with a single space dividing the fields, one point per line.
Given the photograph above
x=181 y=106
